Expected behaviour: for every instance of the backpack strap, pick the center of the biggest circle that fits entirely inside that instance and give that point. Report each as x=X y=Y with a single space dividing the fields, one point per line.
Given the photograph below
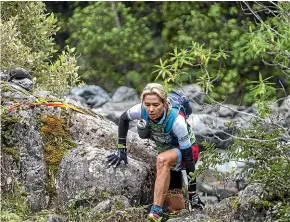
x=144 y=114
x=168 y=122
x=171 y=116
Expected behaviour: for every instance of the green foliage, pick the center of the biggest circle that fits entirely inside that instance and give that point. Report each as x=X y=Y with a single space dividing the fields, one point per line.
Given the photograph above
x=62 y=74
x=7 y=127
x=119 y=42
x=261 y=91
x=209 y=25
x=27 y=42
x=76 y=211
x=112 y=42
x=271 y=39
x=282 y=211
x=262 y=149
x=9 y=216
x=14 y=203
x=182 y=63
x=27 y=35
x=13 y=152
x=269 y=42
x=267 y=162
x=225 y=26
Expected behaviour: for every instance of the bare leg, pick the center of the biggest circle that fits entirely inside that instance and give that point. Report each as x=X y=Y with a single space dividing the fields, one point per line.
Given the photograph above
x=164 y=162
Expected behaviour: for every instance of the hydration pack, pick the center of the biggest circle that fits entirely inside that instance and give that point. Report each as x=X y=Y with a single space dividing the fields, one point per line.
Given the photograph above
x=178 y=99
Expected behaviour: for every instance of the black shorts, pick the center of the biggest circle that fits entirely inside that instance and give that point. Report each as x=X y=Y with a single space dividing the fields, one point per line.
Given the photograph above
x=175 y=180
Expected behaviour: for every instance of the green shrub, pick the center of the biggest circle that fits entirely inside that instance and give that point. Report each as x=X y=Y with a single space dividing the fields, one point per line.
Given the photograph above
x=27 y=42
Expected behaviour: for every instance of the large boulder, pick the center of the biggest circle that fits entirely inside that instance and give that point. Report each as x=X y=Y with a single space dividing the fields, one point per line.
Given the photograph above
x=113 y=110
x=284 y=112
x=85 y=171
x=95 y=96
x=123 y=94
x=83 y=167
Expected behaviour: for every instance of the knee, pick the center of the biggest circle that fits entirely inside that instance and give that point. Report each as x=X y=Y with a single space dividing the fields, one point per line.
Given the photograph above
x=161 y=162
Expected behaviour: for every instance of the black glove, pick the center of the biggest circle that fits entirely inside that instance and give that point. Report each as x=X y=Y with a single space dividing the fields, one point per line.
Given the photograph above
x=188 y=160
x=117 y=157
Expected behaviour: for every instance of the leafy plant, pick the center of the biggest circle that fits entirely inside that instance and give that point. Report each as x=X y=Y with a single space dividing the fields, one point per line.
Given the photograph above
x=9 y=216
x=27 y=43
x=62 y=75
x=112 y=42
x=184 y=61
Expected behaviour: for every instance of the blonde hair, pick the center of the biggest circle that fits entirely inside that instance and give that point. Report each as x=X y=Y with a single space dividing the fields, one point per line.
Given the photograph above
x=155 y=89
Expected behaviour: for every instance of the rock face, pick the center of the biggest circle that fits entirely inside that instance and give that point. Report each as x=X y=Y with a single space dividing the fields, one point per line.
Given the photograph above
x=83 y=172
x=22 y=154
x=244 y=207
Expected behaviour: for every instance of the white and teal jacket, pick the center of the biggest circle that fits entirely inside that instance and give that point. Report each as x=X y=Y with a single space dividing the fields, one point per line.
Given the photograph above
x=172 y=130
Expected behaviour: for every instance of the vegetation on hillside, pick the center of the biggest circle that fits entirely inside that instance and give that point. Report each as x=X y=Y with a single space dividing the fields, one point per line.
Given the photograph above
x=27 y=41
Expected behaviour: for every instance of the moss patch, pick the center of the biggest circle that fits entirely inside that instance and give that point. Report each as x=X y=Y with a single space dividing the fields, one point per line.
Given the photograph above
x=235 y=202
x=118 y=205
x=262 y=205
x=57 y=142
x=5 y=87
x=7 y=127
x=15 y=200
x=13 y=152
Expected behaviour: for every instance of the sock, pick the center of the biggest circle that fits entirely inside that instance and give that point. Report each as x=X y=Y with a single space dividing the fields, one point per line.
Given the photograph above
x=156 y=209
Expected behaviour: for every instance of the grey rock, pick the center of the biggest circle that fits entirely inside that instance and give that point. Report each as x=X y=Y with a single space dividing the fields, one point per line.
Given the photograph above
x=25 y=83
x=89 y=91
x=30 y=169
x=113 y=111
x=4 y=75
x=14 y=92
x=240 y=208
x=76 y=100
x=85 y=169
x=19 y=73
x=194 y=216
x=194 y=93
x=97 y=101
x=55 y=218
x=229 y=111
x=95 y=96
x=45 y=95
x=124 y=93
x=119 y=202
x=210 y=128
x=284 y=111
x=105 y=205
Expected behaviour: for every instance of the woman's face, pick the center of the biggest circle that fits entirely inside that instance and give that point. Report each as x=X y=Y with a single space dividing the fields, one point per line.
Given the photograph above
x=153 y=105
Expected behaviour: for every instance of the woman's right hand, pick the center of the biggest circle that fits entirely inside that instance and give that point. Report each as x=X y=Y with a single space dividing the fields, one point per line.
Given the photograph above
x=115 y=158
